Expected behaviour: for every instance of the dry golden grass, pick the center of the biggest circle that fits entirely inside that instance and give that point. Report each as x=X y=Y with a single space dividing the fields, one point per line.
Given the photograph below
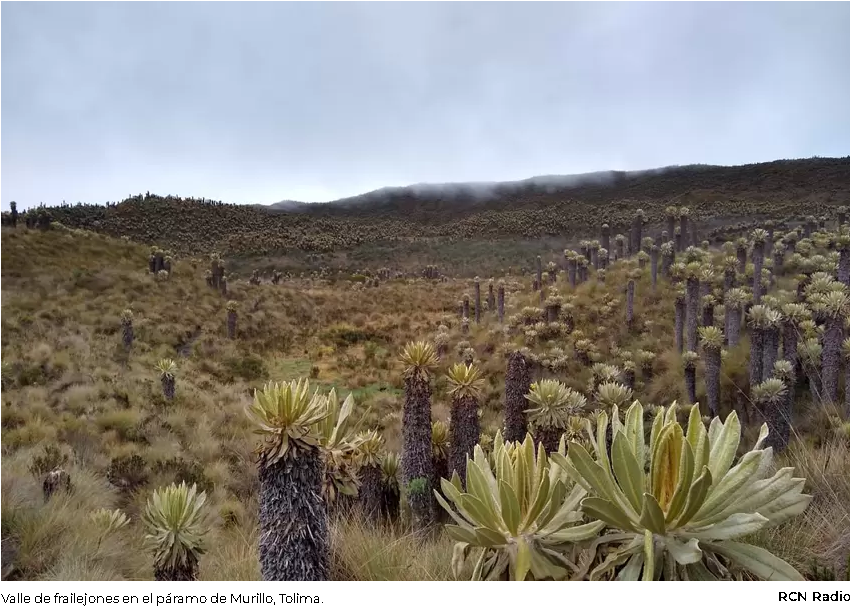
x=68 y=384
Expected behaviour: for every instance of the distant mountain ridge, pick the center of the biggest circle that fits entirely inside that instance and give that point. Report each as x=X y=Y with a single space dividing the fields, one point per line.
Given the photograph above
x=422 y=215
x=487 y=189
x=816 y=178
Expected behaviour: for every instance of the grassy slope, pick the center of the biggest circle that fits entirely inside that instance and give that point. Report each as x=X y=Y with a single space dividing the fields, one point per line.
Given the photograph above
x=469 y=235
x=68 y=385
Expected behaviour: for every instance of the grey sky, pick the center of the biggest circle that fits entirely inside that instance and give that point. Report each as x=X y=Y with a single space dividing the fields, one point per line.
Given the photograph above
x=254 y=103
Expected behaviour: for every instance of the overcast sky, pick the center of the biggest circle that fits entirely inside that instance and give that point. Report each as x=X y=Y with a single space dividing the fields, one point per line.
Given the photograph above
x=259 y=102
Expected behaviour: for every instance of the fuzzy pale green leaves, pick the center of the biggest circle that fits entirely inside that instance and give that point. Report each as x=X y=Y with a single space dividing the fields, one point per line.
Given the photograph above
x=845 y=348
x=390 y=465
x=440 y=440
x=175 y=525
x=166 y=368
x=337 y=437
x=693 y=269
x=519 y=517
x=834 y=303
x=759 y=316
x=770 y=392
x=759 y=236
x=553 y=403
x=795 y=313
x=610 y=395
x=419 y=359
x=810 y=351
x=604 y=373
x=285 y=415
x=370 y=444
x=822 y=283
x=108 y=522
x=712 y=337
x=465 y=380
x=783 y=370
x=772 y=318
x=737 y=297
x=679 y=516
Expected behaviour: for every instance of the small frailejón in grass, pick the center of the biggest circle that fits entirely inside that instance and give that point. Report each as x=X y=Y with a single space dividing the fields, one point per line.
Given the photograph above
x=620 y=242
x=769 y=397
x=231 y=307
x=612 y=394
x=517 y=386
x=464 y=387
x=570 y=261
x=692 y=308
x=501 y=301
x=679 y=519
x=793 y=314
x=539 y=273
x=419 y=359
x=709 y=305
x=370 y=445
x=629 y=374
x=679 y=321
x=689 y=365
x=127 y=334
x=293 y=513
x=174 y=520
x=630 y=302
x=770 y=339
x=759 y=237
x=552 y=404
x=779 y=418
x=339 y=442
x=684 y=215
x=439 y=451
x=468 y=356
x=108 y=522
x=602 y=373
x=167 y=369
x=477 y=284
x=491 y=297
x=730 y=274
x=759 y=319
x=519 y=518
x=712 y=343
x=646 y=361
x=668 y=258
x=834 y=307
x=390 y=490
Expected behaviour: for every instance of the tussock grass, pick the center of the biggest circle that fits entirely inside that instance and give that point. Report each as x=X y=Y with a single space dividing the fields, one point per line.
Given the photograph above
x=820 y=536
x=69 y=384
x=387 y=553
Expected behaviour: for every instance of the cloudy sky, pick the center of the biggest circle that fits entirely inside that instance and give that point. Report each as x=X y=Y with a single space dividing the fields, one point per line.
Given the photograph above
x=259 y=102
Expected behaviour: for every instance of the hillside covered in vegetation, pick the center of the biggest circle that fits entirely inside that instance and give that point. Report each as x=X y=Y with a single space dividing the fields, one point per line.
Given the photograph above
x=469 y=230
x=126 y=370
